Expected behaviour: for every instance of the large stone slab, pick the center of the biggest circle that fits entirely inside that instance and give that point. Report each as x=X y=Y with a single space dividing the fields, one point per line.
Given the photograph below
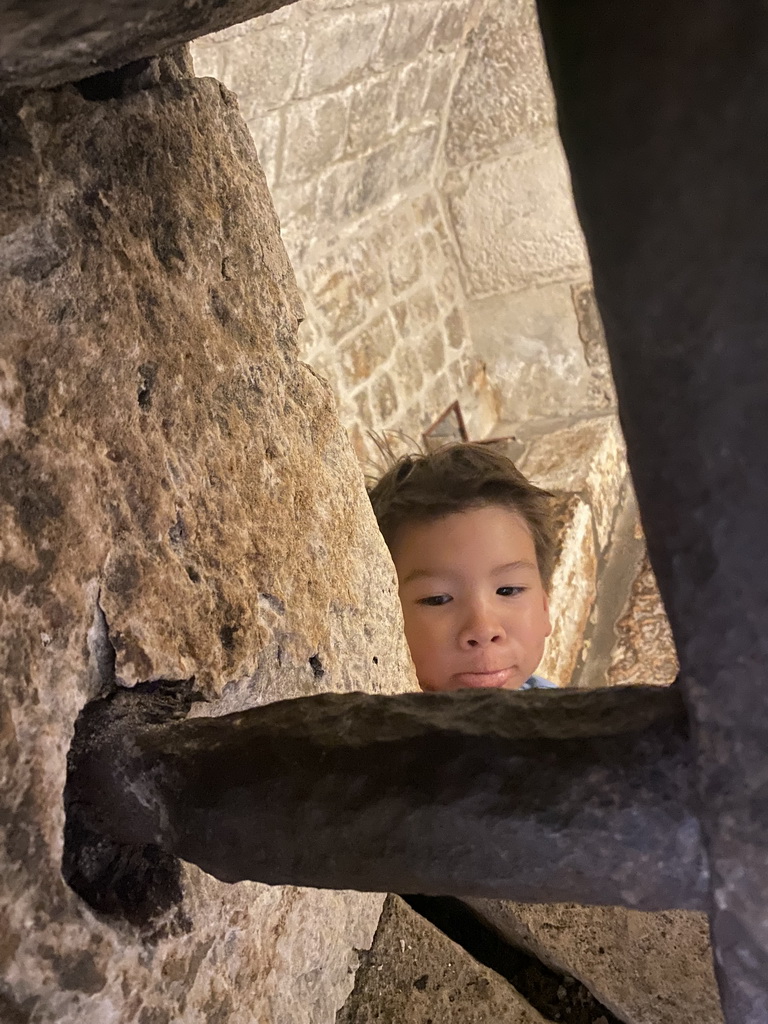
x=587 y=458
x=531 y=344
x=177 y=500
x=50 y=42
x=574 y=586
x=415 y=974
x=502 y=97
x=529 y=235
x=646 y=968
x=645 y=650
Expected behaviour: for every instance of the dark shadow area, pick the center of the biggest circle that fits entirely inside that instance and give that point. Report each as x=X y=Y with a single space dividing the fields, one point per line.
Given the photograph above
x=138 y=884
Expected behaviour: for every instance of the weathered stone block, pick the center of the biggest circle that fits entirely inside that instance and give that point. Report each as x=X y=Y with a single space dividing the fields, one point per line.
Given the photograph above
x=414 y=973
x=261 y=66
x=354 y=188
x=409 y=28
x=586 y=458
x=315 y=135
x=450 y=24
x=645 y=650
x=371 y=113
x=267 y=133
x=601 y=392
x=531 y=344
x=344 y=289
x=503 y=94
x=363 y=354
x=646 y=968
x=574 y=587
x=416 y=315
x=340 y=47
x=173 y=481
x=384 y=400
x=530 y=235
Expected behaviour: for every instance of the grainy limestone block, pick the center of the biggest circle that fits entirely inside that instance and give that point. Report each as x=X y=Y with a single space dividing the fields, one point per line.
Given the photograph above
x=371 y=113
x=408 y=30
x=503 y=95
x=340 y=47
x=177 y=499
x=587 y=458
x=644 y=650
x=646 y=968
x=414 y=973
x=601 y=390
x=315 y=135
x=531 y=345
x=574 y=587
x=261 y=65
x=515 y=222
x=450 y=24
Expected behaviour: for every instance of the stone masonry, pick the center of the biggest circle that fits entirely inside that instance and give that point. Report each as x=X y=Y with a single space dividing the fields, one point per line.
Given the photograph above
x=413 y=158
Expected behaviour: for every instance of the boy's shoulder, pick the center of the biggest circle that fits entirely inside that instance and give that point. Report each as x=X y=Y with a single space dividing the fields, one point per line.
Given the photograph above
x=538 y=683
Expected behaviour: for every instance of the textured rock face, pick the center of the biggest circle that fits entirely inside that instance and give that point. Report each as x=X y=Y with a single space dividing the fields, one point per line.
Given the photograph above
x=347 y=105
x=574 y=586
x=585 y=458
x=649 y=968
x=177 y=500
x=415 y=973
x=644 y=651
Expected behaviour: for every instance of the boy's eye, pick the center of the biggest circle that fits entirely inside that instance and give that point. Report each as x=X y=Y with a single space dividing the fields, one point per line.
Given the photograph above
x=510 y=591
x=435 y=600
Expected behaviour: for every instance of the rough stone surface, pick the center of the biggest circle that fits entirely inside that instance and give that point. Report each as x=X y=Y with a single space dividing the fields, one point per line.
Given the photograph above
x=644 y=651
x=646 y=968
x=531 y=340
x=601 y=389
x=349 y=129
x=414 y=973
x=574 y=585
x=503 y=97
x=177 y=499
x=533 y=238
x=587 y=458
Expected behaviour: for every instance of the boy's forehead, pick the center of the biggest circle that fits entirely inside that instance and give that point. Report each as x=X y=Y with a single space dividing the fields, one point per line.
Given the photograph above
x=490 y=533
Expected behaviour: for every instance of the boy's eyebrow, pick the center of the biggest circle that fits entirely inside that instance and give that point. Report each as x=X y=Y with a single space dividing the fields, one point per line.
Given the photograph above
x=419 y=574
x=522 y=563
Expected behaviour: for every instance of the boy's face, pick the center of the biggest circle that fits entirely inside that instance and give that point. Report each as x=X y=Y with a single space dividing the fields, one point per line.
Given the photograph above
x=475 y=609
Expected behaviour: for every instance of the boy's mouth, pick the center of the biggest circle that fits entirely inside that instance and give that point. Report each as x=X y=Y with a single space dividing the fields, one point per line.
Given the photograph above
x=483 y=679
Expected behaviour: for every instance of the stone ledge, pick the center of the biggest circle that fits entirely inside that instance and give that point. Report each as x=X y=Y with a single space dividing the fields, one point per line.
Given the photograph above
x=646 y=968
x=414 y=973
x=574 y=586
x=586 y=458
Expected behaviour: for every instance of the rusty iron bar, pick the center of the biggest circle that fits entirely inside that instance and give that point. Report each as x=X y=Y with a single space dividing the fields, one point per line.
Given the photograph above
x=540 y=796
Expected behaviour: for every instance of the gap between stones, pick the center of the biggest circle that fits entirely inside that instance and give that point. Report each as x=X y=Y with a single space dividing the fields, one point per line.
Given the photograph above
x=556 y=996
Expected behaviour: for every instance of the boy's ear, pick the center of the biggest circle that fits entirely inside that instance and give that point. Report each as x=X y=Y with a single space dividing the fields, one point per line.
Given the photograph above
x=546 y=612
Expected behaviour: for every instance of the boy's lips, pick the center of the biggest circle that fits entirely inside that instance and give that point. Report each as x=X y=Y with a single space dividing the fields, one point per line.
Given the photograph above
x=482 y=679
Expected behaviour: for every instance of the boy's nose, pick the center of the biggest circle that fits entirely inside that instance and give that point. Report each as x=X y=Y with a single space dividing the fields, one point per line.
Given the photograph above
x=480 y=629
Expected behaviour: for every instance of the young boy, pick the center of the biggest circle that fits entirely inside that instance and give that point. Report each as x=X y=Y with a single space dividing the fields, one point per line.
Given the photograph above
x=472 y=544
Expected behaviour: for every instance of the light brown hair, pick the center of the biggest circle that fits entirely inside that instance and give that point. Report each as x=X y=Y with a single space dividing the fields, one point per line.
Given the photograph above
x=456 y=478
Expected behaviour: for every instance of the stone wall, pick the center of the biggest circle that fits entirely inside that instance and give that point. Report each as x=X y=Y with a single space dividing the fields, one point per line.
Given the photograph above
x=523 y=263
x=178 y=501
x=347 y=105
x=413 y=156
